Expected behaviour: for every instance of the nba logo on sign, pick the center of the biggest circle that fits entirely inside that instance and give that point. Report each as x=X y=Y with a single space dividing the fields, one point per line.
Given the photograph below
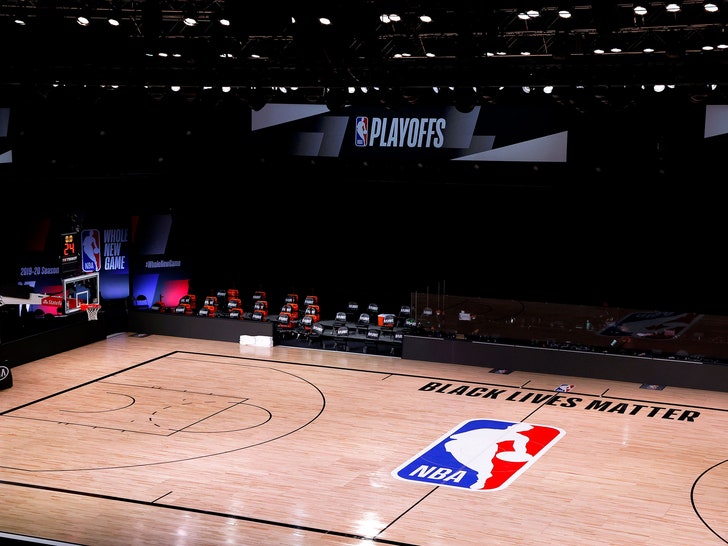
x=480 y=455
x=91 y=250
x=362 y=131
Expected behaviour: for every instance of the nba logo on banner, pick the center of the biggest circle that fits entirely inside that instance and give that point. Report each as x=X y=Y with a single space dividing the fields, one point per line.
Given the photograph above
x=362 y=131
x=90 y=250
x=480 y=455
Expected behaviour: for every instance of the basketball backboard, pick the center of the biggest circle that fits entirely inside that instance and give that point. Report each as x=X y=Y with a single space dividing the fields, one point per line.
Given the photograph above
x=80 y=290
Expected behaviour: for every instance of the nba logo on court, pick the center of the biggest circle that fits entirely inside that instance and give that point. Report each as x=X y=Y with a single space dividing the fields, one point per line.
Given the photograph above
x=90 y=250
x=362 y=131
x=480 y=455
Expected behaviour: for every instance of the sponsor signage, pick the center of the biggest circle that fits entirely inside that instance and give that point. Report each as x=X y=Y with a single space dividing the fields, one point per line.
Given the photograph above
x=52 y=301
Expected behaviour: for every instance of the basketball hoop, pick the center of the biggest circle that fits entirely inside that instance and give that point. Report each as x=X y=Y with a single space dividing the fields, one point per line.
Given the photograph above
x=92 y=310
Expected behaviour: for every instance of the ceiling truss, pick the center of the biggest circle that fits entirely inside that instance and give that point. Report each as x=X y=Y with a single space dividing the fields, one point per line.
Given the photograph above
x=474 y=44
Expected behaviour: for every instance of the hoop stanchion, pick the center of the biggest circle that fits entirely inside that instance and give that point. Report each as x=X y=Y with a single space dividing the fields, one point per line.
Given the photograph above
x=92 y=310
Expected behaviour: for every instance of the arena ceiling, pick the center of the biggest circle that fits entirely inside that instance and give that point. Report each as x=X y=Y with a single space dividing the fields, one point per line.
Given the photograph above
x=469 y=46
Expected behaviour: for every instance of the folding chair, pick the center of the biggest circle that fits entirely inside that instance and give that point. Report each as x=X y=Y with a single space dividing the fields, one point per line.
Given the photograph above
x=258 y=295
x=141 y=302
x=316 y=335
x=234 y=303
x=222 y=298
x=426 y=317
x=313 y=311
x=305 y=327
x=261 y=307
x=405 y=312
x=352 y=310
x=340 y=319
x=285 y=325
x=291 y=309
x=371 y=342
x=362 y=324
x=236 y=313
x=187 y=305
x=341 y=338
x=209 y=307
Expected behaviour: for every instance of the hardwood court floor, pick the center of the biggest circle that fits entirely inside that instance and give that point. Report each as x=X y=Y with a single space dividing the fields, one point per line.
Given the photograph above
x=173 y=441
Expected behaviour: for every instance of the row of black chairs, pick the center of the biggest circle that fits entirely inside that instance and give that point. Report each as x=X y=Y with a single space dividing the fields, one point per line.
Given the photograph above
x=373 y=340
x=365 y=319
x=382 y=338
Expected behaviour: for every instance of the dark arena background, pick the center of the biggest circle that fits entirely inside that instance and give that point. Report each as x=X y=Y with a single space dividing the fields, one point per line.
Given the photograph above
x=601 y=192
x=632 y=217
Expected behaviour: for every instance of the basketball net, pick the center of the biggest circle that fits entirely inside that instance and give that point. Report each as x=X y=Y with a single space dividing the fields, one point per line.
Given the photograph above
x=92 y=310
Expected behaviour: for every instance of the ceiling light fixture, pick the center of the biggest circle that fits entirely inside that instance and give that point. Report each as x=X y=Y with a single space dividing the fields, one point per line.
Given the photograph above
x=389 y=18
x=114 y=17
x=220 y=16
x=190 y=17
x=673 y=7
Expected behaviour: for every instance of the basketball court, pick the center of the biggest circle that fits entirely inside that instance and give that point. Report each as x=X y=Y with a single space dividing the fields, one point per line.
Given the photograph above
x=176 y=441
